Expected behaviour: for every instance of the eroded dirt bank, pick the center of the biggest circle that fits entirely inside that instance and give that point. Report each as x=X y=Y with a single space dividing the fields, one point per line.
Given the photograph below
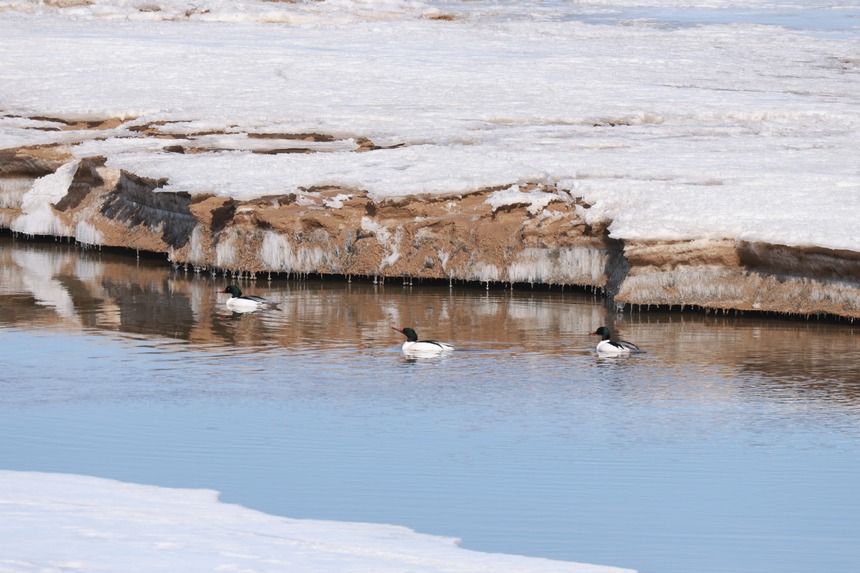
x=342 y=231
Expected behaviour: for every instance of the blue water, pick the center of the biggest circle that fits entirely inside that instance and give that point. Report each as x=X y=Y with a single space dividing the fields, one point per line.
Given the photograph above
x=820 y=16
x=821 y=19
x=731 y=445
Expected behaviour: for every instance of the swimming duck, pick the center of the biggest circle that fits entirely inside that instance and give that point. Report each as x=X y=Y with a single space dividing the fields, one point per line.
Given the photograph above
x=607 y=346
x=239 y=303
x=415 y=346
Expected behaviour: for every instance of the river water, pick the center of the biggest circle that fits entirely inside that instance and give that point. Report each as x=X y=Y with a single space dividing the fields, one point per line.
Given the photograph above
x=731 y=445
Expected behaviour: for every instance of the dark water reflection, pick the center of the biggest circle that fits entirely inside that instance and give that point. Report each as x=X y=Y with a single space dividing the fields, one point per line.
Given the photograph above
x=731 y=445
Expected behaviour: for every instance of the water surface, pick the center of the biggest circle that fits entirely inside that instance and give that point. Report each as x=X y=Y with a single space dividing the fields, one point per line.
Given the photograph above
x=731 y=445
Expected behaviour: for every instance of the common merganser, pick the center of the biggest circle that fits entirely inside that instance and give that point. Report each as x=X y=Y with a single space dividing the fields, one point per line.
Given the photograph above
x=607 y=346
x=415 y=346
x=239 y=303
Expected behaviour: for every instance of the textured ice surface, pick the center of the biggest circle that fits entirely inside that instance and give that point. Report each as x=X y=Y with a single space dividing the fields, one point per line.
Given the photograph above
x=725 y=128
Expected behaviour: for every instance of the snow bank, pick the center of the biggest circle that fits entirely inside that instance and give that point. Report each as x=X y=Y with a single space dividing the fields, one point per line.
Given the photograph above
x=54 y=522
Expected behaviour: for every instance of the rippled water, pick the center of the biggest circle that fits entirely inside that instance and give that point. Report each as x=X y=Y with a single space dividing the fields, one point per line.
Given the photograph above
x=730 y=446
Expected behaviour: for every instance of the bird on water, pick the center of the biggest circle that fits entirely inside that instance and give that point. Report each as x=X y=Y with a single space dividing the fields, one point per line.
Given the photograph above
x=415 y=346
x=239 y=303
x=609 y=346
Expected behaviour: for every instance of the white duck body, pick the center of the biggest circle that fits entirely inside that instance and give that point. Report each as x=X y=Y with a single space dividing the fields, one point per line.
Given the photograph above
x=607 y=346
x=425 y=347
x=618 y=347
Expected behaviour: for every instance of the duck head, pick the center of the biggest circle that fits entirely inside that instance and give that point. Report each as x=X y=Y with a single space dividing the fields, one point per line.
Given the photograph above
x=410 y=334
x=233 y=290
x=603 y=332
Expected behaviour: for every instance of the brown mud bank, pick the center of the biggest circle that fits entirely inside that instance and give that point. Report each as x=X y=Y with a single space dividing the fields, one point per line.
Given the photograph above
x=336 y=231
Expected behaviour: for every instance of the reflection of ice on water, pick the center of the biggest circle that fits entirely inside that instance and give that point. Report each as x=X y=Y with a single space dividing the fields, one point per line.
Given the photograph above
x=37 y=271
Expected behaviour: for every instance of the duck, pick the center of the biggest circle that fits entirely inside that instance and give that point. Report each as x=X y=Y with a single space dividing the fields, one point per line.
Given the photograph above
x=415 y=346
x=239 y=303
x=607 y=346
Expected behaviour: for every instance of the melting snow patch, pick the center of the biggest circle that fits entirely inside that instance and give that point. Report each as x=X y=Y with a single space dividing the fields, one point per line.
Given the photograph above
x=486 y=272
x=197 y=253
x=86 y=234
x=535 y=200
x=225 y=252
x=383 y=237
x=336 y=202
x=39 y=217
x=277 y=253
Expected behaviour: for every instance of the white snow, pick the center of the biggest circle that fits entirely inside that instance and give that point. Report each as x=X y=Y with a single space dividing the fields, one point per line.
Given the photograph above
x=667 y=129
x=384 y=238
x=534 y=200
x=38 y=218
x=57 y=522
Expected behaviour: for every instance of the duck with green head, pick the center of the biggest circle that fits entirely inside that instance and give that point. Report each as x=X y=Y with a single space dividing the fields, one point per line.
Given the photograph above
x=415 y=346
x=609 y=346
x=239 y=303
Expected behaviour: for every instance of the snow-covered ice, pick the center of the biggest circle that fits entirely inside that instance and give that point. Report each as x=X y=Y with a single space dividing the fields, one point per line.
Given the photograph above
x=668 y=129
x=58 y=522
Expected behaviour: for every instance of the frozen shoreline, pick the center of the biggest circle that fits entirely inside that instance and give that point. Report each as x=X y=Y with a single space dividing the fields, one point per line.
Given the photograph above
x=385 y=139
x=520 y=234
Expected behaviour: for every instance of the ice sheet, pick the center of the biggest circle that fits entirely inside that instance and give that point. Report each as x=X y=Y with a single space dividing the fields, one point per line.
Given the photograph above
x=58 y=522
x=734 y=130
